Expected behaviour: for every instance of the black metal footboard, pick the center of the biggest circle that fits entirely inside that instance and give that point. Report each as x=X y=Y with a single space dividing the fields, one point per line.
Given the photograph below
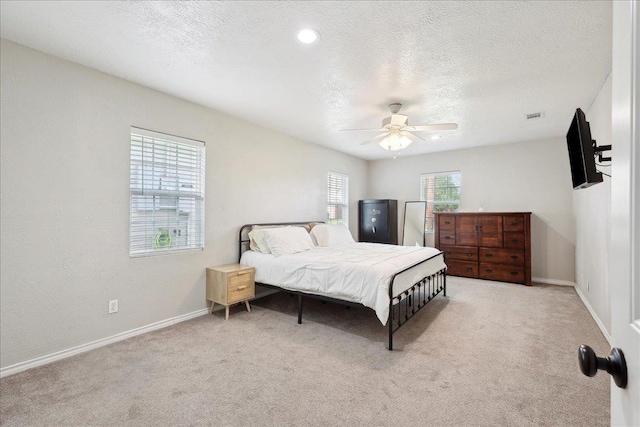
x=414 y=298
x=402 y=306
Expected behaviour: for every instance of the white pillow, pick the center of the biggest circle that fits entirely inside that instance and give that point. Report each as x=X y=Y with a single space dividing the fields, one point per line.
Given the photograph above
x=287 y=240
x=332 y=235
x=257 y=241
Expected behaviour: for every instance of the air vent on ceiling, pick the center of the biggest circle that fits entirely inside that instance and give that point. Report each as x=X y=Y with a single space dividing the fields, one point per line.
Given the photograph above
x=537 y=115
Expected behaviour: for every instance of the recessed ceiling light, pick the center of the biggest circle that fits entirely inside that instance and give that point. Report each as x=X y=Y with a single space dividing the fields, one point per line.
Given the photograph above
x=434 y=137
x=308 y=35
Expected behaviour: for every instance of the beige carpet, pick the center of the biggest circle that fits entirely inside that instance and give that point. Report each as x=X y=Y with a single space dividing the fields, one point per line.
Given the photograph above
x=488 y=354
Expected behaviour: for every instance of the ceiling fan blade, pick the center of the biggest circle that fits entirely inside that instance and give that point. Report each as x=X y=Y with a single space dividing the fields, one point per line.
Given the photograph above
x=364 y=130
x=376 y=138
x=410 y=135
x=432 y=127
x=395 y=120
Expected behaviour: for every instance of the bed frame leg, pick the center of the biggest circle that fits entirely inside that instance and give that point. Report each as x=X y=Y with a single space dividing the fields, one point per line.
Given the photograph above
x=390 y=322
x=444 y=292
x=299 y=309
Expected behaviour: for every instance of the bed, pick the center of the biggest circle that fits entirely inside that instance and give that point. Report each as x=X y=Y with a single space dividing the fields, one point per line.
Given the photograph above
x=394 y=281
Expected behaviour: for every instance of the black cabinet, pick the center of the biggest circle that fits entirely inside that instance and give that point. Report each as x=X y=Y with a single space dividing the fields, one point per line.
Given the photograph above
x=378 y=221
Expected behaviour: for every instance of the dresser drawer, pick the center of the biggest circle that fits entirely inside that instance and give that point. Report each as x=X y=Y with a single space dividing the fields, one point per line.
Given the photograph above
x=447 y=237
x=513 y=223
x=462 y=268
x=513 y=240
x=503 y=273
x=502 y=256
x=462 y=253
x=446 y=222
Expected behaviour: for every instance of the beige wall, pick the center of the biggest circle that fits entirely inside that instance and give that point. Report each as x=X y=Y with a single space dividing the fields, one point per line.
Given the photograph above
x=65 y=201
x=531 y=176
x=592 y=207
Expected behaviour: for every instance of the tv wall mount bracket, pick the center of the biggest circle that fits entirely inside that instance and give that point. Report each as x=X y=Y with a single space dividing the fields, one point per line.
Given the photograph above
x=598 y=150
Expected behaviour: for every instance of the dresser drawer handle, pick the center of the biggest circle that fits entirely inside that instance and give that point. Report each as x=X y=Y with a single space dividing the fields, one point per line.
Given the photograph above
x=447 y=237
x=489 y=255
x=469 y=254
x=514 y=223
x=447 y=222
x=514 y=273
x=514 y=257
x=239 y=288
x=514 y=240
x=488 y=270
x=243 y=273
x=469 y=269
x=447 y=252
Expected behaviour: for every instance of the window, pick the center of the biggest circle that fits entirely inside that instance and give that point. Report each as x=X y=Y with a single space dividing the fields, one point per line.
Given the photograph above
x=337 y=198
x=441 y=191
x=167 y=194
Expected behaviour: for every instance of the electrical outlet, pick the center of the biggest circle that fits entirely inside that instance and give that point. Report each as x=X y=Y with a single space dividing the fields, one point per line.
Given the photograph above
x=113 y=306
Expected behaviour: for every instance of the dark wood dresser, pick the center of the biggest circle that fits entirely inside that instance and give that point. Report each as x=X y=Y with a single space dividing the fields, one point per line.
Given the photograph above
x=486 y=245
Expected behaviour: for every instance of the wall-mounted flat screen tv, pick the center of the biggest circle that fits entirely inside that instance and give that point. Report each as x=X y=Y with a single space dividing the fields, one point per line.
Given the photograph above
x=581 y=153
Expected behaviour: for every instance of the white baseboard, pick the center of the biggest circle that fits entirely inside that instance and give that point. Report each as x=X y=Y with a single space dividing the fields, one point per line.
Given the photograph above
x=552 y=281
x=43 y=360
x=594 y=315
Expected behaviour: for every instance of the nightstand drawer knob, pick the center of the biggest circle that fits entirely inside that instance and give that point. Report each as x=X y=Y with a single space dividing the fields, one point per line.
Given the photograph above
x=239 y=288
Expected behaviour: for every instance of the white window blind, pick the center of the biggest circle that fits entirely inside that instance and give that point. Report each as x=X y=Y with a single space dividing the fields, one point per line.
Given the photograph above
x=337 y=198
x=441 y=191
x=167 y=194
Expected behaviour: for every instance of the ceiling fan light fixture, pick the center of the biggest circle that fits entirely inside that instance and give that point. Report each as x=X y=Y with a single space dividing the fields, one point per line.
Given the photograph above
x=308 y=36
x=395 y=142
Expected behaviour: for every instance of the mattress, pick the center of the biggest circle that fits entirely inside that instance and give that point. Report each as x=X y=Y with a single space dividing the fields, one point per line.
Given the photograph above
x=359 y=273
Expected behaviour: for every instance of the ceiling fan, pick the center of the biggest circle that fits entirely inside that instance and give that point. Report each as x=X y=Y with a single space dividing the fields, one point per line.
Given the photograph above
x=397 y=133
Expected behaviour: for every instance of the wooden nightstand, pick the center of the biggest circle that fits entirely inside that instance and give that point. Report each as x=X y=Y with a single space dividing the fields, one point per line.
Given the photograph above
x=229 y=284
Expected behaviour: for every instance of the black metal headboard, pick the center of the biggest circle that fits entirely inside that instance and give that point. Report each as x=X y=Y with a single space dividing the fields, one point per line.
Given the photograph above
x=243 y=235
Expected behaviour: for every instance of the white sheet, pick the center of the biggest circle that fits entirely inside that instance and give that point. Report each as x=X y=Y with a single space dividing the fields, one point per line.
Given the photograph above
x=360 y=272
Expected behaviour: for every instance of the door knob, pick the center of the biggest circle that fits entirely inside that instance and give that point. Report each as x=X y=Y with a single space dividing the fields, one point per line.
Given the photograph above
x=615 y=364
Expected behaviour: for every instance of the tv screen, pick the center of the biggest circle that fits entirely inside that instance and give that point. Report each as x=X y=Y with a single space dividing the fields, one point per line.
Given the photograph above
x=581 y=153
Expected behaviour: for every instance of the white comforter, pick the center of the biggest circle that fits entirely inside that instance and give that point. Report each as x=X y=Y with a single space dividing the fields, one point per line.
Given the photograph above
x=360 y=272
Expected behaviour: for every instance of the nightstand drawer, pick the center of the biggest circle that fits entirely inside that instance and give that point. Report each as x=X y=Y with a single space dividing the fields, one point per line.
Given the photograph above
x=241 y=292
x=240 y=278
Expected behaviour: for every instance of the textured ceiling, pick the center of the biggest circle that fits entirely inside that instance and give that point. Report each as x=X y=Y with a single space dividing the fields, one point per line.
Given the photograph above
x=483 y=65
